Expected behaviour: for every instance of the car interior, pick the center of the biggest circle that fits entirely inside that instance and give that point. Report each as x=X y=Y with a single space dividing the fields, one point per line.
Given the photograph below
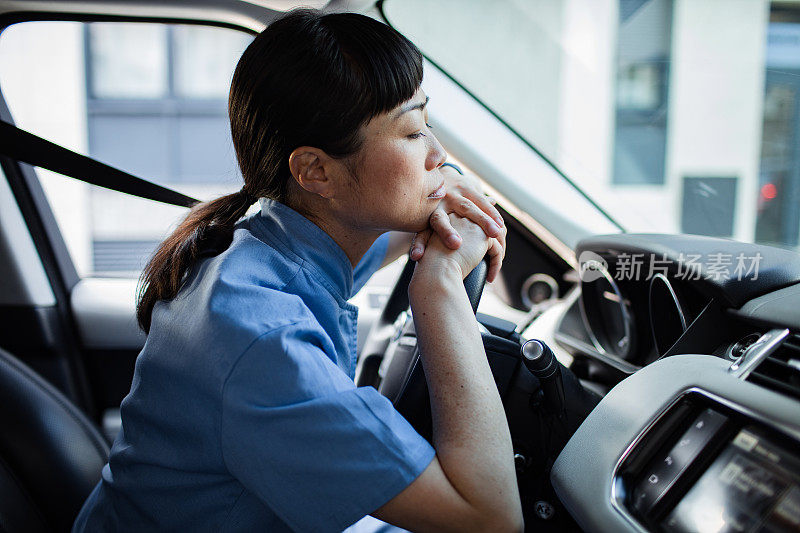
x=643 y=333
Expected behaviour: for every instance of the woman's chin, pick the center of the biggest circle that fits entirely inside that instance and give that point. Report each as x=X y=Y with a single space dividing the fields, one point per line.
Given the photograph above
x=414 y=224
x=419 y=225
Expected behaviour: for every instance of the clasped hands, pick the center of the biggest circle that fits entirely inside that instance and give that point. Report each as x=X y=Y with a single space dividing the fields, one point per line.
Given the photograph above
x=464 y=198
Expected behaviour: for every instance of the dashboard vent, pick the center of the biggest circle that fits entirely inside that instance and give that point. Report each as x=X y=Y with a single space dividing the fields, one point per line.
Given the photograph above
x=781 y=370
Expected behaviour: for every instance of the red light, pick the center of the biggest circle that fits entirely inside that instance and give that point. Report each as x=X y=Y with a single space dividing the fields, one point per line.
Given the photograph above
x=769 y=191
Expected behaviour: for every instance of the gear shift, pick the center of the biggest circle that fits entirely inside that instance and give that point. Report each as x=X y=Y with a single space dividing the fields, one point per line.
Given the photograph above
x=542 y=363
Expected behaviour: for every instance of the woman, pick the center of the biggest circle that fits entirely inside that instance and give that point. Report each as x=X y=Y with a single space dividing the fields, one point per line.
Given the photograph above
x=243 y=414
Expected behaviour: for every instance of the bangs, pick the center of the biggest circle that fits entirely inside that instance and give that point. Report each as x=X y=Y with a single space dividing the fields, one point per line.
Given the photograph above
x=381 y=66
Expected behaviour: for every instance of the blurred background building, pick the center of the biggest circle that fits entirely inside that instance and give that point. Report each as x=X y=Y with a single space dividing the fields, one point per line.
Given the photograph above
x=675 y=115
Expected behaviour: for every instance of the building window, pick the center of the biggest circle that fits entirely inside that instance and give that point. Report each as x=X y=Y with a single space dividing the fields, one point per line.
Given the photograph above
x=642 y=81
x=156 y=99
x=777 y=213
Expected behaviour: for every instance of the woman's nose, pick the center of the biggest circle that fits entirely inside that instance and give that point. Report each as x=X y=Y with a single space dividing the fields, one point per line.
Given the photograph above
x=436 y=154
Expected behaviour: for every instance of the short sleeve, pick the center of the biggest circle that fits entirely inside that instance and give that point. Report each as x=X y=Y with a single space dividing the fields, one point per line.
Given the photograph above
x=370 y=263
x=319 y=451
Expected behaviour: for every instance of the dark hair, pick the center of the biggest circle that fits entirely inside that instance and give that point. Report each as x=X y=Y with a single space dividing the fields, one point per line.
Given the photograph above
x=309 y=79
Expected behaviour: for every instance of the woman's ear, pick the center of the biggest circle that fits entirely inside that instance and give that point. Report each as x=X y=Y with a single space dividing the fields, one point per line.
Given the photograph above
x=310 y=167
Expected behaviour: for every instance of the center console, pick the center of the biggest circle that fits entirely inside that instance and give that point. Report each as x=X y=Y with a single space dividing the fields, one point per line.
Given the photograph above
x=685 y=444
x=702 y=466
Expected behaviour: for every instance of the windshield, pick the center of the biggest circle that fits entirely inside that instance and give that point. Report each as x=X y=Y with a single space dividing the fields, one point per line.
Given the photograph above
x=675 y=117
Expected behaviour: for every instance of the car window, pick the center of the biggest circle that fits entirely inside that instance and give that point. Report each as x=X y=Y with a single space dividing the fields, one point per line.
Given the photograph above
x=674 y=116
x=148 y=98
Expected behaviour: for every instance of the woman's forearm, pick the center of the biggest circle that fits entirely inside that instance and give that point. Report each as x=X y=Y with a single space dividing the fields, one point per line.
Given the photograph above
x=471 y=434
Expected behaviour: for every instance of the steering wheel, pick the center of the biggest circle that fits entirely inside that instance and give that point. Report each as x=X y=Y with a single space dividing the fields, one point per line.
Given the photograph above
x=391 y=349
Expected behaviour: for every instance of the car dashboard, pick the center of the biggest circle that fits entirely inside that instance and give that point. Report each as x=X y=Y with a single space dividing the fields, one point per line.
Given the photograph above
x=702 y=431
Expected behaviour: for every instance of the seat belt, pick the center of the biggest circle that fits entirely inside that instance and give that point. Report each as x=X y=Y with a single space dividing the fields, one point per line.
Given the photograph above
x=22 y=146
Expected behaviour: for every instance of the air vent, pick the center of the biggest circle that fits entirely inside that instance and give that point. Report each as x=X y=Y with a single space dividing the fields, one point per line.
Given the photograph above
x=781 y=370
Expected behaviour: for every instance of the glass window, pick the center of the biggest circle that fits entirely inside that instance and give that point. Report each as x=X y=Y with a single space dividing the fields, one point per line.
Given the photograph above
x=777 y=212
x=642 y=81
x=204 y=60
x=147 y=98
x=673 y=116
x=506 y=52
x=128 y=60
x=639 y=87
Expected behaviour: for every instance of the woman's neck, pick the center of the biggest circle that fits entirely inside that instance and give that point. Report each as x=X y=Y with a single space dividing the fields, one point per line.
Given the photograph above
x=354 y=241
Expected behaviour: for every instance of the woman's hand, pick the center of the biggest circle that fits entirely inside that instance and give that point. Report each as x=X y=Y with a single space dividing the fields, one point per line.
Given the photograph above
x=464 y=198
x=440 y=258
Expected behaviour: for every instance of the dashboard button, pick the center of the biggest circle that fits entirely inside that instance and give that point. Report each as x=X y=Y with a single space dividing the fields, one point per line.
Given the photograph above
x=662 y=472
x=654 y=483
x=691 y=443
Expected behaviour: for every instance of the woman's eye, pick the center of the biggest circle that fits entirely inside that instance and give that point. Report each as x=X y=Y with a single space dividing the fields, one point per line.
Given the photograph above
x=419 y=134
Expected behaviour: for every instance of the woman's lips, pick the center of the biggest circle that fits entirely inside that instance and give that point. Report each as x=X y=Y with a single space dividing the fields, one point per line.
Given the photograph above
x=439 y=193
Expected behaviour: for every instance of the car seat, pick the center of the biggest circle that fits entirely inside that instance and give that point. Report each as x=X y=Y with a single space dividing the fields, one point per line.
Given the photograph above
x=51 y=455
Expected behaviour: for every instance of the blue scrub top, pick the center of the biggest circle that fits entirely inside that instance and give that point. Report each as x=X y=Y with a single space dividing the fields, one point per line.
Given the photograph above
x=243 y=414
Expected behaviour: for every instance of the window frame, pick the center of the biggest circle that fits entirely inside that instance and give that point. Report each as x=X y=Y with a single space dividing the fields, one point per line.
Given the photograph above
x=23 y=180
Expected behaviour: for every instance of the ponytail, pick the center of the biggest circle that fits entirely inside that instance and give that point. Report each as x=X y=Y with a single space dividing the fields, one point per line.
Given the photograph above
x=209 y=225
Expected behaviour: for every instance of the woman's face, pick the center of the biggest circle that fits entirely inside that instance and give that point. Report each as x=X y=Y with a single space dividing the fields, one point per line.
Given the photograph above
x=397 y=181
